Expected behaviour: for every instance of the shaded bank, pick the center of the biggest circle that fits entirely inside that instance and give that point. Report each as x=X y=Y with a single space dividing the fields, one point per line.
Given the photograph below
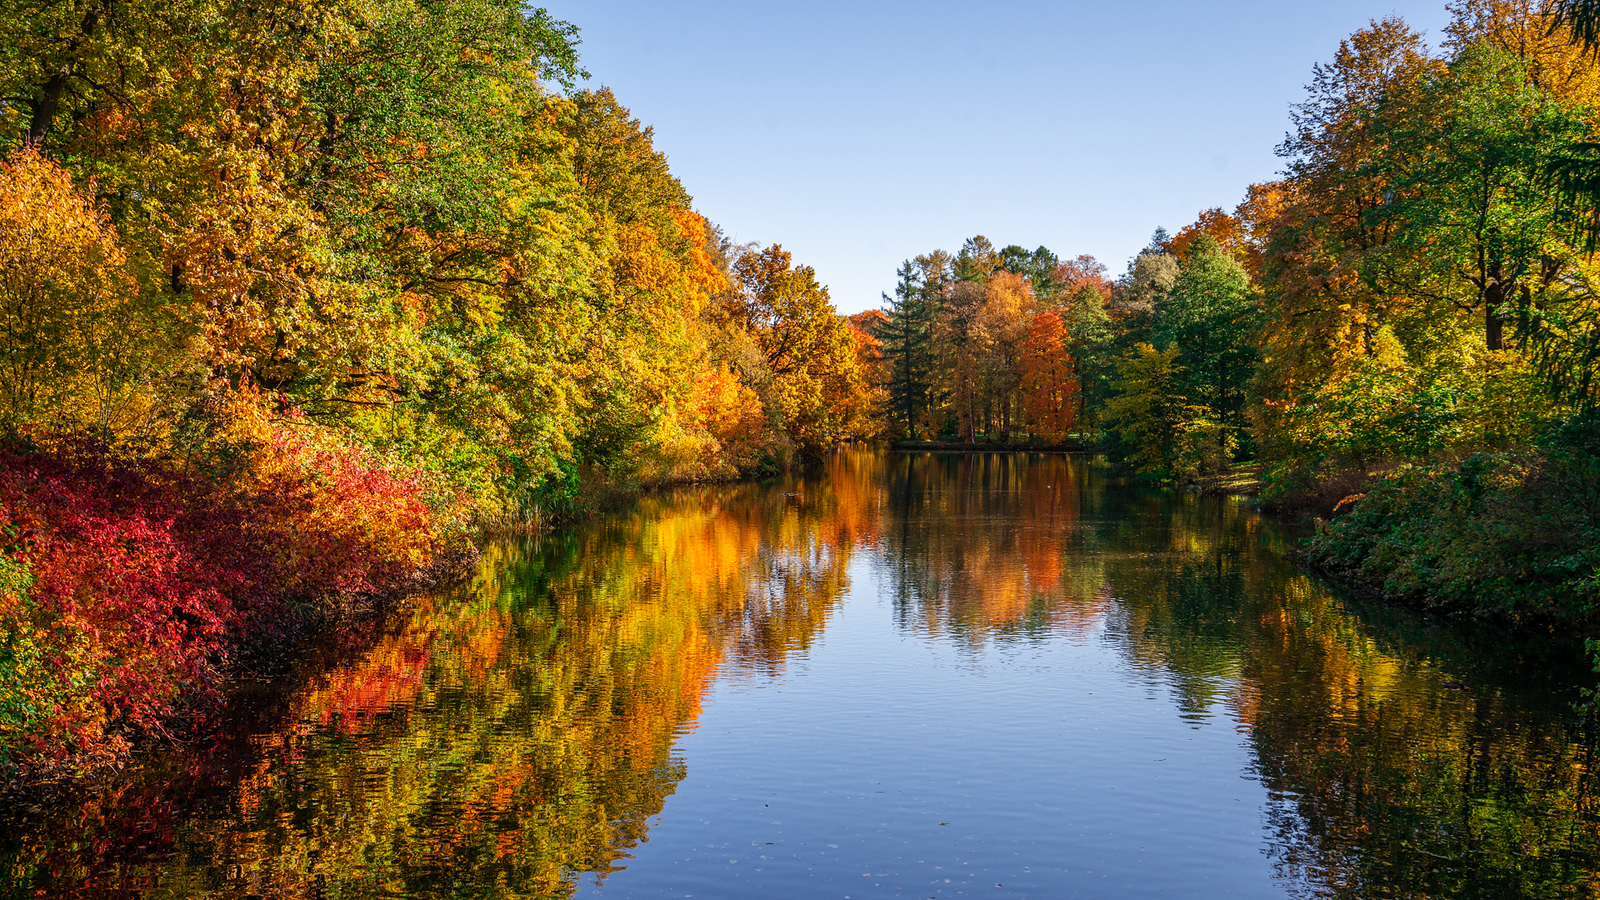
x=1509 y=535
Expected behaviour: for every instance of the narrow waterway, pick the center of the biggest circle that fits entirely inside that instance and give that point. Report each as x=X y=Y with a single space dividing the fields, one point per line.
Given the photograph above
x=921 y=676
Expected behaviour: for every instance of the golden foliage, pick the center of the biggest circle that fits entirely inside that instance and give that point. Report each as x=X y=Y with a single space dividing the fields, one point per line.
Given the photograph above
x=74 y=349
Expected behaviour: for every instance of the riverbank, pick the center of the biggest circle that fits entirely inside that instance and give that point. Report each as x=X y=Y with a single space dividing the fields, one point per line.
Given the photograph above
x=1236 y=481
x=137 y=591
x=1512 y=535
x=1507 y=538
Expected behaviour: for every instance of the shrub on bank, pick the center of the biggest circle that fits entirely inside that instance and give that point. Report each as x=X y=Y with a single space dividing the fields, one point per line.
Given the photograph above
x=1512 y=533
x=128 y=585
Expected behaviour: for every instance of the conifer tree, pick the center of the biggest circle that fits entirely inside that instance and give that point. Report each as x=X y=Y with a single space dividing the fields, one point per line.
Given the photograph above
x=905 y=344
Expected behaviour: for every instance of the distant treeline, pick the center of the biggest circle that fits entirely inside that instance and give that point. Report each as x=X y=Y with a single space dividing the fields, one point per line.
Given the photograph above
x=1404 y=328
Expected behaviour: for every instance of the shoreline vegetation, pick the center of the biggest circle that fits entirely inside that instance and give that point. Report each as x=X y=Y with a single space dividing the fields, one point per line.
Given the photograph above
x=298 y=301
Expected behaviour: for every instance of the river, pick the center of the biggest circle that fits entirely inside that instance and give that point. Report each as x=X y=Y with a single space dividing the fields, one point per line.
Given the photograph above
x=919 y=676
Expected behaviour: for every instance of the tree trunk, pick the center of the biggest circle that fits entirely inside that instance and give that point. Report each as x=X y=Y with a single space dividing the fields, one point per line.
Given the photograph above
x=1494 y=298
x=44 y=111
x=1494 y=329
x=972 y=417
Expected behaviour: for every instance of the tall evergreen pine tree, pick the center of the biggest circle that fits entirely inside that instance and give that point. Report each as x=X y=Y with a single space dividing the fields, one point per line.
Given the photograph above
x=905 y=343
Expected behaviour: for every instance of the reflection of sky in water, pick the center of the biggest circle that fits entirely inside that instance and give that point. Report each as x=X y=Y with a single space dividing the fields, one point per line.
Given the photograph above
x=916 y=676
x=1034 y=764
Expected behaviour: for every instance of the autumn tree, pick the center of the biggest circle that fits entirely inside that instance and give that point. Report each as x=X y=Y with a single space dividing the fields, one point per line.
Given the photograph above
x=1554 y=55
x=76 y=348
x=1073 y=275
x=1336 y=221
x=375 y=273
x=1002 y=327
x=1049 y=383
x=1225 y=230
x=1257 y=215
x=817 y=382
x=382 y=215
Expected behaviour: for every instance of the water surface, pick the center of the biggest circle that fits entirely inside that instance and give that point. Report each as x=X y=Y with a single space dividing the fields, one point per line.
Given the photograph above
x=912 y=676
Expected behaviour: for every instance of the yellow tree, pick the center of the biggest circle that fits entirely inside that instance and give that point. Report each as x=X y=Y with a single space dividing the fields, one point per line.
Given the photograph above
x=1001 y=327
x=1527 y=30
x=72 y=347
x=817 y=392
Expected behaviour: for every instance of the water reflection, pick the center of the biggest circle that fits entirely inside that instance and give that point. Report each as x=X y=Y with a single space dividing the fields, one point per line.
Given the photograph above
x=505 y=737
x=1404 y=758
x=508 y=737
x=980 y=542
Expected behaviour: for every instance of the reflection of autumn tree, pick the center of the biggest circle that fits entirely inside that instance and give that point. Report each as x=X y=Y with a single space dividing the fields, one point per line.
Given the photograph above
x=978 y=543
x=502 y=740
x=1388 y=780
x=504 y=737
x=1181 y=568
x=508 y=736
x=1385 y=782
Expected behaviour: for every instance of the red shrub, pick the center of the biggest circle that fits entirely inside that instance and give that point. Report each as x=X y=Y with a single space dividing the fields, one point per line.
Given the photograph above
x=132 y=619
x=145 y=579
x=343 y=521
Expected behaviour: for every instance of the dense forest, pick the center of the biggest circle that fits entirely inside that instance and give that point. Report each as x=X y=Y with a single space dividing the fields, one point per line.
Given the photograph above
x=297 y=298
x=1402 y=334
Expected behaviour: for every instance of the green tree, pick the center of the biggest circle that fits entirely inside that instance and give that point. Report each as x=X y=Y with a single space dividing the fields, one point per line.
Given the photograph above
x=905 y=343
x=1210 y=316
x=1148 y=410
x=977 y=260
x=1091 y=339
x=1475 y=227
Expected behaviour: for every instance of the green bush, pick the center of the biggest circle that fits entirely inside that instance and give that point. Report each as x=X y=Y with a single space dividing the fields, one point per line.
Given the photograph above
x=1511 y=533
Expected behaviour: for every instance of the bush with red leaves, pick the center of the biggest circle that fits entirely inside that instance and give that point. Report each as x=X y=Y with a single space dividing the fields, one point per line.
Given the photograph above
x=128 y=585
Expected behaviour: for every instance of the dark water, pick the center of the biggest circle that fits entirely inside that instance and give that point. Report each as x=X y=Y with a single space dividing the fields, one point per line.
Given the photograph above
x=910 y=676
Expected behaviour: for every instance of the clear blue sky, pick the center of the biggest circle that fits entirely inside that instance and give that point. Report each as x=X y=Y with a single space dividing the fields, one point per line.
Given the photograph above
x=860 y=134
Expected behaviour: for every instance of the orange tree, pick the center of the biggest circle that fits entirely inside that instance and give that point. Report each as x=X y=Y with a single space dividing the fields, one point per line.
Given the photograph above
x=1049 y=382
